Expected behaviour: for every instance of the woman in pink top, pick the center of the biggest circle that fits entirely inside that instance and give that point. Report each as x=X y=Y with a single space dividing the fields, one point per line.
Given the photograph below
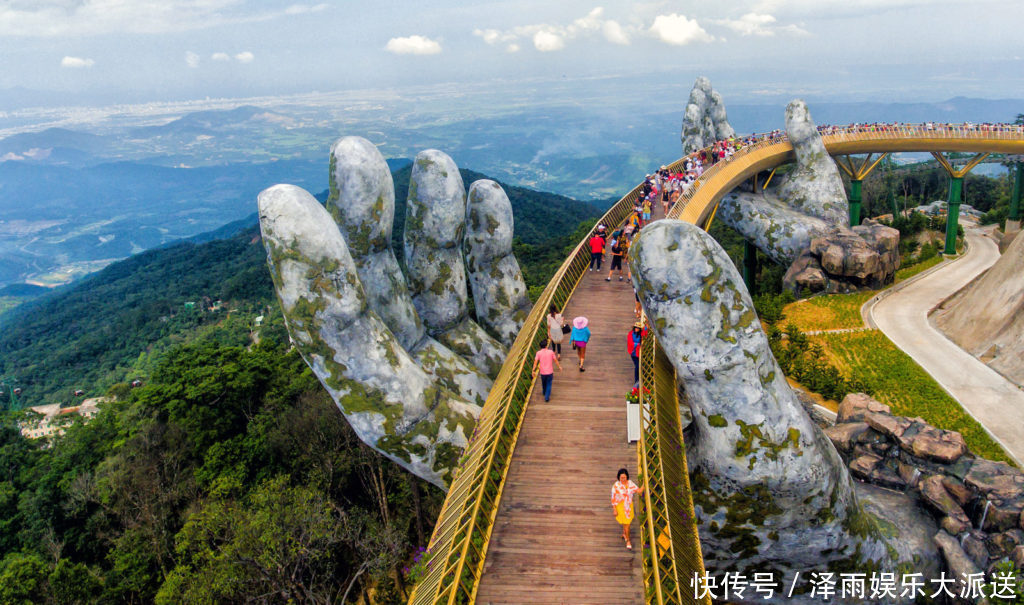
x=622 y=502
x=544 y=362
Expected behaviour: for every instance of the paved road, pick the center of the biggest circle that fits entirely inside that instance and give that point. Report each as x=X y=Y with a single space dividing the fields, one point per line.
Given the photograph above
x=994 y=401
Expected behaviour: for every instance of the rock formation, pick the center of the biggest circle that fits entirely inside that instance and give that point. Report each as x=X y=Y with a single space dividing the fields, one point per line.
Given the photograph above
x=704 y=119
x=978 y=503
x=997 y=334
x=846 y=260
x=770 y=490
x=499 y=292
x=410 y=387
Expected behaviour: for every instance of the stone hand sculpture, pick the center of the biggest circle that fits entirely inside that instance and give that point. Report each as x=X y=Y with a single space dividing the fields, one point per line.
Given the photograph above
x=704 y=119
x=769 y=488
x=811 y=200
x=398 y=352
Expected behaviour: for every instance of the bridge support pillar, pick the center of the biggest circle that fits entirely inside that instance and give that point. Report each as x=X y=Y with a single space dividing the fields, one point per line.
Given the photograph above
x=956 y=187
x=855 y=199
x=750 y=266
x=857 y=175
x=1012 y=227
x=1018 y=188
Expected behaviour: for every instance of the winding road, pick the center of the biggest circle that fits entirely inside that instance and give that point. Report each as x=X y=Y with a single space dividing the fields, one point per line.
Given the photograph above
x=902 y=315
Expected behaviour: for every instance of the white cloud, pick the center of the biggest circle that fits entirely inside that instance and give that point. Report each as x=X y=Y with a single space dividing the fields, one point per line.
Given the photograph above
x=547 y=41
x=614 y=33
x=547 y=37
x=245 y=57
x=494 y=36
x=413 y=45
x=758 y=24
x=191 y=59
x=678 y=30
x=51 y=18
x=220 y=57
x=76 y=62
x=302 y=9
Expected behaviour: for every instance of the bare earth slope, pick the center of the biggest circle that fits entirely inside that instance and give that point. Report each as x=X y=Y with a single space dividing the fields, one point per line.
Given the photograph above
x=986 y=318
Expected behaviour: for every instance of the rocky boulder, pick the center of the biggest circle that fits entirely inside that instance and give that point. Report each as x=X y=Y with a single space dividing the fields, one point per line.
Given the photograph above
x=846 y=260
x=856 y=406
x=704 y=118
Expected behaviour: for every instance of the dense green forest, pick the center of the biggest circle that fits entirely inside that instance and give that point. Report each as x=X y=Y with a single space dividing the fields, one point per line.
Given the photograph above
x=229 y=476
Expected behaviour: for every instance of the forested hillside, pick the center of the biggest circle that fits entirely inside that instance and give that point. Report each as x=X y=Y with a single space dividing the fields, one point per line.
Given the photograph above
x=229 y=475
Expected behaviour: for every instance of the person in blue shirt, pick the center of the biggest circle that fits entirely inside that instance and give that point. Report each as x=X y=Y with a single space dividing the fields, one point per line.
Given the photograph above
x=579 y=337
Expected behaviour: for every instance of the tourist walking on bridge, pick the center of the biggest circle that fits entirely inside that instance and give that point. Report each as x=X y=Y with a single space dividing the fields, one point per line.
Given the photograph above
x=545 y=362
x=617 y=251
x=556 y=330
x=580 y=336
x=622 y=502
x=596 y=243
x=633 y=341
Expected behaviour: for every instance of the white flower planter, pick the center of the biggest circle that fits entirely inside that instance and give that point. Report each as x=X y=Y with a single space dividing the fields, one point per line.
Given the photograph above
x=632 y=422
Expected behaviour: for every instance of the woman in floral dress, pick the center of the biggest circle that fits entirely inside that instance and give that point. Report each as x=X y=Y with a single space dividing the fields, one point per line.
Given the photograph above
x=622 y=502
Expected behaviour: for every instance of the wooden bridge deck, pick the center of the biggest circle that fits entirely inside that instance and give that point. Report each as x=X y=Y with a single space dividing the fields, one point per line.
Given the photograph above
x=555 y=539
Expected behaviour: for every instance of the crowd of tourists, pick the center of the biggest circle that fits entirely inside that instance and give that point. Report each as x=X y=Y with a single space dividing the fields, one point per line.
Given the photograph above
x=664 y=187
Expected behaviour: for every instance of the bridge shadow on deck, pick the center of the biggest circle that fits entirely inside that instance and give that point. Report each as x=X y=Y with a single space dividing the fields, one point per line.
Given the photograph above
x=555 y=539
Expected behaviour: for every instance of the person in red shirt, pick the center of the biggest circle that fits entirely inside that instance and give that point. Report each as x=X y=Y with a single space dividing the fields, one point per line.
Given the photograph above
x=633 y=341
x=597 y=243
x=545 y=362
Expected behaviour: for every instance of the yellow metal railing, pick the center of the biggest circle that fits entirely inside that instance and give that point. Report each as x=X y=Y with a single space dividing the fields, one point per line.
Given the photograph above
x=699 y=201
x=671 y=553
x=458 y=546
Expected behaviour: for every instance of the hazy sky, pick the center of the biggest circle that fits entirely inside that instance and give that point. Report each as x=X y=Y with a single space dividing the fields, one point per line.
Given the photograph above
x=179 y=49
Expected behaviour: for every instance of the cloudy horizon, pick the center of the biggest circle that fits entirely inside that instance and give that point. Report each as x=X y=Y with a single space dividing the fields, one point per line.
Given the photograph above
x=150 y=50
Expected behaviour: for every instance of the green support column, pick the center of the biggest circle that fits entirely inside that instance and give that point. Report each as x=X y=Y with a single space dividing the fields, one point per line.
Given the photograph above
x=855 y=199
x=953 y=212
x=1015 y=197
x=749 y=266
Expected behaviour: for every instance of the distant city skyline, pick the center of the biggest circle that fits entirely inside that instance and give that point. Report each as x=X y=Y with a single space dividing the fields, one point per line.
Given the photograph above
x=100 y=52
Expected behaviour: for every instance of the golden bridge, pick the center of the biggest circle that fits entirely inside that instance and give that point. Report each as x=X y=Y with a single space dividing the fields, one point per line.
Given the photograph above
x=527 y=518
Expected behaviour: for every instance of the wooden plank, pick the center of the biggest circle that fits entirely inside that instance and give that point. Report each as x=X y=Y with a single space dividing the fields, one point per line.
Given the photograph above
x=555 y=539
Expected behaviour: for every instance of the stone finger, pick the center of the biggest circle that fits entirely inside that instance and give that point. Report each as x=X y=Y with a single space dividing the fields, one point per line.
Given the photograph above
x=499 y=291
x=362 y=201
x=434 y=229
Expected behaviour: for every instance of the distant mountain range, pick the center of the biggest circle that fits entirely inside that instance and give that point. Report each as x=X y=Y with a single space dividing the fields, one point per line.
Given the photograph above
x=73 y=201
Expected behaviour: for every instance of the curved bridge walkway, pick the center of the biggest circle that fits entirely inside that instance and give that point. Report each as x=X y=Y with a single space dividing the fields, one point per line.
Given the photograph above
x=528 y=516
x=555 y=539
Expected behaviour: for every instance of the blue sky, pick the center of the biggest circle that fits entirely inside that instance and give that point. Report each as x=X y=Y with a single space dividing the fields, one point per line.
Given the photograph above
x=181 y=49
